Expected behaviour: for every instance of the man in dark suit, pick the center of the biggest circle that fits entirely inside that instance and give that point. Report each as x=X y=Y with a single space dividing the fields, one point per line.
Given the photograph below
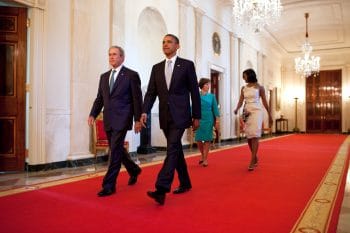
x=173 y=81
x=119 y=93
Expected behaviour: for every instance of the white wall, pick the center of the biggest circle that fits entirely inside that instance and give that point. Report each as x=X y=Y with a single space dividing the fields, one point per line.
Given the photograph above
x=67 y=51
x=57 y=78
x=79 y=32
x=147 y=23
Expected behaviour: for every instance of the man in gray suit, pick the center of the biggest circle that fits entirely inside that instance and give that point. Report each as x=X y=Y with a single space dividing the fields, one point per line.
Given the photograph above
x=119 y=93
x=173 y=81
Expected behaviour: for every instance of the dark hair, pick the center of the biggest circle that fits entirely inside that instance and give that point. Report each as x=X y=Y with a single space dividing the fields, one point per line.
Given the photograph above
x=202 y=82
x=251 y=76
x=174 y=37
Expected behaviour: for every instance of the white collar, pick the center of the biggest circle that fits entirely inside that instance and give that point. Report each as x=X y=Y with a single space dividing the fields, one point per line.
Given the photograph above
x=173 y=59
x=117 y=69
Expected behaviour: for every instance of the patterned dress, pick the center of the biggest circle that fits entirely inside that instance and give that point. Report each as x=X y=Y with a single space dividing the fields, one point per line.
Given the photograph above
x=210 y=110
x=253 y=124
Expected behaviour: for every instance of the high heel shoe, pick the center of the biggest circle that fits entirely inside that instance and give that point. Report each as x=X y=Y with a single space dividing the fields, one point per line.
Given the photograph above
x=205 y=164
x=256 y=162
x=200 y=162
x=253 y=164
x=251 y=167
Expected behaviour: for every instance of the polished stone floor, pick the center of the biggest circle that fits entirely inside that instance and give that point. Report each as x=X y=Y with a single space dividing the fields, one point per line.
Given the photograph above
x=34 y=180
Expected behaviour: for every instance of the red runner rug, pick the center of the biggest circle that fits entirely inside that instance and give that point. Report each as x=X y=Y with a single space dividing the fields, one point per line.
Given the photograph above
x=225 y=196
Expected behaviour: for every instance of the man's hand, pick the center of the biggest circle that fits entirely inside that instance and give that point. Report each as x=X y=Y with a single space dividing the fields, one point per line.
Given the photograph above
x=143 y=120
x=91 y=120
x=137 y=127
x=195 y=124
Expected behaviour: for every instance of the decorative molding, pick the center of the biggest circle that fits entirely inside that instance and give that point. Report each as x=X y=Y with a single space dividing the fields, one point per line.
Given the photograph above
x=186 y=2
x=8 y=23
x=40 y=4
x=80 y=155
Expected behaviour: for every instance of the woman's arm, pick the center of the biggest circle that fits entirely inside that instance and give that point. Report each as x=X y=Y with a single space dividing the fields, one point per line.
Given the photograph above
x=216 y=113
x=240 y=102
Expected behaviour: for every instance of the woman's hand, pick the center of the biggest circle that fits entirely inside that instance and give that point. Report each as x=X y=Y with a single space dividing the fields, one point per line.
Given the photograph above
x=217 y=125
x=270 y=121
x=195 y=124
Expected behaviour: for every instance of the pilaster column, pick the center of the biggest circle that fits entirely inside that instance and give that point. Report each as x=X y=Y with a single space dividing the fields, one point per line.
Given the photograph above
x=198 y=39
x=36 y=68
x=86 y=70
x=185 y=29
x=261 y=69
x=234 y=81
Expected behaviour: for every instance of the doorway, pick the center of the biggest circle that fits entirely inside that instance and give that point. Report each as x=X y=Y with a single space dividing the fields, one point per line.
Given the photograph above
x=323 y=102
x=13 y=47
x=214 y=89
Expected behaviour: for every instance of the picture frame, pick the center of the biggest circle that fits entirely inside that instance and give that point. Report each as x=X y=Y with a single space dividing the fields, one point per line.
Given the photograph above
x=216 y=43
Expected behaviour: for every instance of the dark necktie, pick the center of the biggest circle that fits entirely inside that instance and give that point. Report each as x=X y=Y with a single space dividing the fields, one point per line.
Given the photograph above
x=111 y=81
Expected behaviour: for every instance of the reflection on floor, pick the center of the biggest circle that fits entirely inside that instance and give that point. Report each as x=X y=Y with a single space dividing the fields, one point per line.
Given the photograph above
x=19 y=182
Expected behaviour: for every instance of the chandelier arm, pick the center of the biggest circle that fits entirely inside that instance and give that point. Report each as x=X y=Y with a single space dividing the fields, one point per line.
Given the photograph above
x=306 y=22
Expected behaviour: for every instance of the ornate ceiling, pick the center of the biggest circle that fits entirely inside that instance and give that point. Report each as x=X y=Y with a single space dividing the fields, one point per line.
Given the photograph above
x=329 y=25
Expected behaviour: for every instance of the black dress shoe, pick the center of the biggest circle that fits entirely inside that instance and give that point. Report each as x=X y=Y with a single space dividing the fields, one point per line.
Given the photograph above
x=158 y=197
x=105 y=192
x=181 y=190
x=133 y=178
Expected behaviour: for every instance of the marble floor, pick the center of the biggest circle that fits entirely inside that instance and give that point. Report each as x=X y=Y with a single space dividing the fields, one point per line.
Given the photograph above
x=24 y=181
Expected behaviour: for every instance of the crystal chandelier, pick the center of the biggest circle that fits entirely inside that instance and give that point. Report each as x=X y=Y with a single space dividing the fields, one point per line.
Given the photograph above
x=307 y=65
x=257 y=13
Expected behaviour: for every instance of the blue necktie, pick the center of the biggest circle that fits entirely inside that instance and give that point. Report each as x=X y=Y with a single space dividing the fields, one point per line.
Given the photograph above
x=111 y=81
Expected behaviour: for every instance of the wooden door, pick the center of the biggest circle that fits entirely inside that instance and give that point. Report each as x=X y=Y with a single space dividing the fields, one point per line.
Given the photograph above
x=13 y=34
x=323 y=102
x=214 y=84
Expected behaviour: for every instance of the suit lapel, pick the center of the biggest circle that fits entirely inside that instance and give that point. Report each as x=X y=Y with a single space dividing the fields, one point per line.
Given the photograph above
x=105 y=81
x=176 y=68
x=163 y=80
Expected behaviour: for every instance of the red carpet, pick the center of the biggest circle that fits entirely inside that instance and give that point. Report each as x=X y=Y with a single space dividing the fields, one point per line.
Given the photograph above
x=225 y=196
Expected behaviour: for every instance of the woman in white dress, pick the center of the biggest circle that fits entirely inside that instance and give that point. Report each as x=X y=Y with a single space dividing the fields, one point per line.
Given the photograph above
x=253 y=113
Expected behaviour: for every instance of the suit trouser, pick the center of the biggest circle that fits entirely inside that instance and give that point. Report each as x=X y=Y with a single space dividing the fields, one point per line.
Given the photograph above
x=175 y=160
x=119 y=156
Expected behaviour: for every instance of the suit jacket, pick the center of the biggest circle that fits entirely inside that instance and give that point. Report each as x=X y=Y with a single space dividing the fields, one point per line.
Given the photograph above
x=122 y=104
x=176 y=100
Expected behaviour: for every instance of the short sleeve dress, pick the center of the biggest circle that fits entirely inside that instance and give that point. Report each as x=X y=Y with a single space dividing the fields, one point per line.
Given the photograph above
x=209 y=108
x=253 y=124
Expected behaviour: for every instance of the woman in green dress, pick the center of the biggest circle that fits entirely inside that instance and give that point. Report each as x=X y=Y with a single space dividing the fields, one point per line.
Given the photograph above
x=210 y=114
